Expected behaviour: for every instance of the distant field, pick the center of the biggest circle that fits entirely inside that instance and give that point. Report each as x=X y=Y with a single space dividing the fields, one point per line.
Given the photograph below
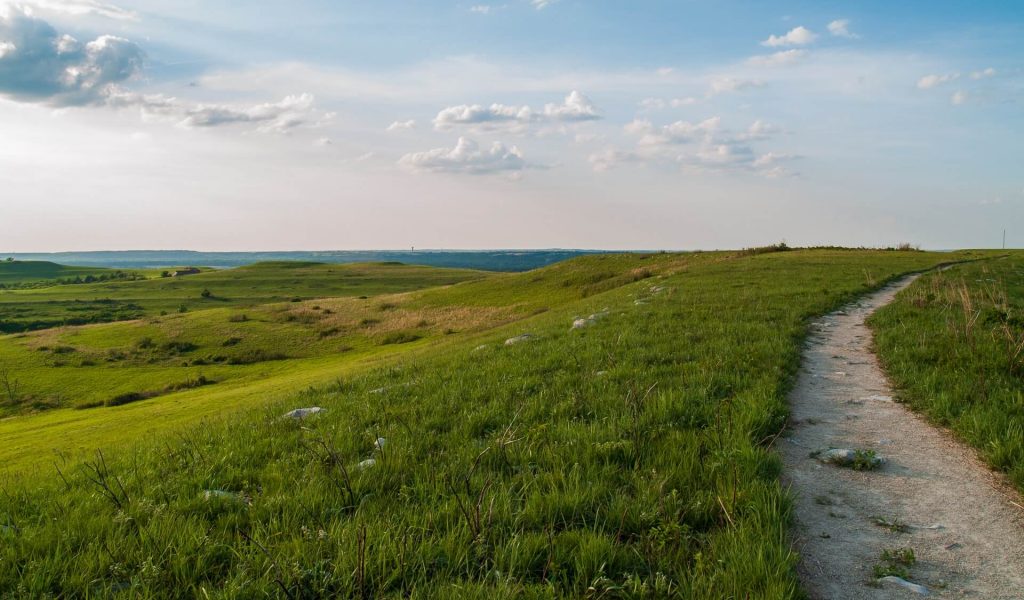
x=487 y=260
x=55 y=305
x=24 y=273
x=626 y=457
x=954 y=345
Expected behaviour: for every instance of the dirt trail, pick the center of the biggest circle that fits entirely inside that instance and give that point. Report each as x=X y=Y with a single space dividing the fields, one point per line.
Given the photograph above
x=965 y=530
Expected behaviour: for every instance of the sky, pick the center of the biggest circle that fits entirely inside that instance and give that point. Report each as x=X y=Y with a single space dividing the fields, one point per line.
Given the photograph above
x=649 y=124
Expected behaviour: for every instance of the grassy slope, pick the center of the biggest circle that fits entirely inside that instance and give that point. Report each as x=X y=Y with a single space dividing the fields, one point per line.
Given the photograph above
x=245 y=286
x=21 y=272
x=954 y=346
x=624 y=459
x=90 y=366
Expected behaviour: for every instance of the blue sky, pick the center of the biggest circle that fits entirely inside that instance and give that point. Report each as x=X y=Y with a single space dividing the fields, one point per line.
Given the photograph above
x=517 y=123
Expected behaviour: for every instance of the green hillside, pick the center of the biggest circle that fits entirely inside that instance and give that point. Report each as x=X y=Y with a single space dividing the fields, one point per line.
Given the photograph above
x=621 y=449
x=21 y=273
x=118 y=300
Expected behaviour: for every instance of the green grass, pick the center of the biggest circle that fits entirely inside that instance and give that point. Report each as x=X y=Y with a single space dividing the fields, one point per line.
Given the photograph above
x=43 y=307
x=629 y=458
x=26 y=273
x=954 y=346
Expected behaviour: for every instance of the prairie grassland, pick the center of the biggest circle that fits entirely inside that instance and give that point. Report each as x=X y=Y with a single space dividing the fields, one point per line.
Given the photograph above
x=630 y=457
x=953 y=343
x=44 y=306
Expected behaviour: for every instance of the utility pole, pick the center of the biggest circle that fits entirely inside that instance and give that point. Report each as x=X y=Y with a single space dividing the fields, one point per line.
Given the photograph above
x=1004 y=239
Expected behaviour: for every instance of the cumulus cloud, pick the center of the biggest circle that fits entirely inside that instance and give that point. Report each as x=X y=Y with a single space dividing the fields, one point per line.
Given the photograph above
x=611 y=158
x=38 y=64
x=930 y=81
x=401 y=126
x=575 y=108
x=679 y=132
x=278 y=117
x=466 y=157
x=798 y=36
x=959 y=97
x=702 y=146
x=293 y=112
x=724 y=85
x=983 y=74
x=777 y=59
x=841 y=28
x=542 y=4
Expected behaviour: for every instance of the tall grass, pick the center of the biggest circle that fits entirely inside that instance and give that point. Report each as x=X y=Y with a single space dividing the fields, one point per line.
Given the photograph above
x=627 y=459
x=954 y=344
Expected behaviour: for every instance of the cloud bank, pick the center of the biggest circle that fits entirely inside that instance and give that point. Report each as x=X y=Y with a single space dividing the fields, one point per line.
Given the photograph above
x=466 y=157
x=38 y=64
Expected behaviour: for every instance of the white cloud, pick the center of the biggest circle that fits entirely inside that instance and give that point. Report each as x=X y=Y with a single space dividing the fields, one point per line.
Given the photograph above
x=661 y=103
x=324 y=141
x=291 y=113
x=481 y=9
x=701 y=146
x=959 y=97
x=841 y=28
x=759 y=130
x=723 y=85
x=37 y=64
x=575 y=108
x=466 y=157
x=983 y=74
x=777 y=59
x=930 y=81
x=798 y=36
x=74 y=7
x=611 y=158
x=542 y=4
x=679 y=132
x=278 y=117
x=402 y=125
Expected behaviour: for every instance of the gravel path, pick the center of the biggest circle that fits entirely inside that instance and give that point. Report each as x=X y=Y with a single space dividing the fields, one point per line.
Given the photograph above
x=964 y=523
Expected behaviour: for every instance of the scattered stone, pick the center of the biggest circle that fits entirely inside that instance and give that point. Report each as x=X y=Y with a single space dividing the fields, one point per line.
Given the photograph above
x=379 y=444
x=903 y=583
x=847 y=457
x=581 y=323
x=302 y=413
x=640 y=302
x=878 y=398
x=954 y=546
x=366 y=464
x=481 y=347
x=379 y=390
x=519 y=338
x=600 y=373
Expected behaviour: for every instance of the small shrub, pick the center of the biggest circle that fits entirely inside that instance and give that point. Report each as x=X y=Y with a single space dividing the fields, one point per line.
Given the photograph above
x=126 y=398
x=242 y=318
x=895 y=562
x=145 y=343
x=256 y=355
x=400 y=337
x=231 y=341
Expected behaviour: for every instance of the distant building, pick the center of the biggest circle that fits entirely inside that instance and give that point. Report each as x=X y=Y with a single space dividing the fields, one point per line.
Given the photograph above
x=188 y=271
